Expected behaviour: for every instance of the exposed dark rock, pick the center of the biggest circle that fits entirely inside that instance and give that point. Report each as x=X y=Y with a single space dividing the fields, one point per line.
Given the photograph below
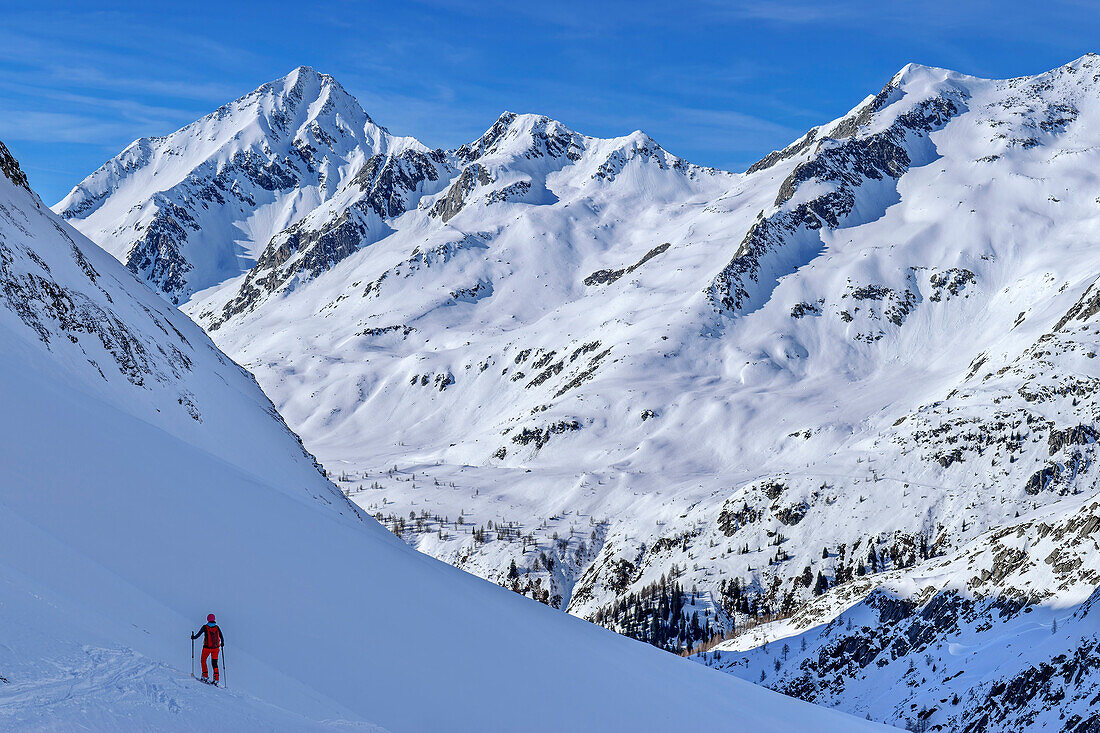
x=387 y=180
x=1087 y=306
x=9 y=167
x=452 y=202
x=800 y=310
x=606 y=277
x=800 y=145
x=1042 y=479
x=541 y=436
x=1079 y=435
x=792 y=515
x=952 y=281
x=730 y=519
x=773 y=489
x=509 y=193
x=157 y=257
x=585 y=374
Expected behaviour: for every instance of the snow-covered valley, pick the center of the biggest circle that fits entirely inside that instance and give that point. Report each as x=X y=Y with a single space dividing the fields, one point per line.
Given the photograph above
x=145 y=480
x=677 y=400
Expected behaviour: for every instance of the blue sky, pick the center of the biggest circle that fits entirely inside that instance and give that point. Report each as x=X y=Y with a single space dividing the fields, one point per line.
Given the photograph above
x=719 y=83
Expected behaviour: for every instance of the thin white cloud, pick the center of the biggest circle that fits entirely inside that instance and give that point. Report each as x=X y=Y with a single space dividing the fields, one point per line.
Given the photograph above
x=90 y=77
x=57 y=127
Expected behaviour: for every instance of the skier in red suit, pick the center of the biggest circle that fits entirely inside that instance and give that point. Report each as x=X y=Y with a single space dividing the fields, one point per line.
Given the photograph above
x=212 y=643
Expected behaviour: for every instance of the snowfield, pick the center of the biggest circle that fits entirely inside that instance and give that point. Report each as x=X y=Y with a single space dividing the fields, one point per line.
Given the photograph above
x=145 y=480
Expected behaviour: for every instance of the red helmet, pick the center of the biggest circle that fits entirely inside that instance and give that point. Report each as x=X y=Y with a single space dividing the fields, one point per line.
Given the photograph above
x=210 y=618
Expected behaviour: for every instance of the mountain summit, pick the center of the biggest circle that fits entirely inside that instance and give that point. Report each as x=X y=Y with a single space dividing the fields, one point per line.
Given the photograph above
x=192 y=209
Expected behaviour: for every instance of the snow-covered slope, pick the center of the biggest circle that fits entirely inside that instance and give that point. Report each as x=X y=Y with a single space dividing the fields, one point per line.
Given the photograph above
x=146 y=480
x=189 y=210
x=661 y=390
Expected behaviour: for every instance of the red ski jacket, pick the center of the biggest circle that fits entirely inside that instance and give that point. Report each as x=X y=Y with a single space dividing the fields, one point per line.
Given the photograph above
x=212 y=636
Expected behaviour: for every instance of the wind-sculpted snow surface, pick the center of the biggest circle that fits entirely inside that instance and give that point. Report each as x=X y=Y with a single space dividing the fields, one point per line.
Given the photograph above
x=145 y=480
x=679 y=399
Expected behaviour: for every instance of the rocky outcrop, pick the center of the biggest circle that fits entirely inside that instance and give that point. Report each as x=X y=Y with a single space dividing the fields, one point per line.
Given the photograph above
x=472 y=176
x=9 y=167
x=606 y=277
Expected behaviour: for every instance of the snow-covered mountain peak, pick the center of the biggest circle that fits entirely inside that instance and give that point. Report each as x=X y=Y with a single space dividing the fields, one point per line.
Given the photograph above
x=522 y=135
x=314 y=97
x=914 y=75
x=1088 y=61
x=193 y=208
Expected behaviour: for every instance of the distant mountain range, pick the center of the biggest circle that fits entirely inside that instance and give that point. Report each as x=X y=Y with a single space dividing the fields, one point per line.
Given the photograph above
x=856 y=381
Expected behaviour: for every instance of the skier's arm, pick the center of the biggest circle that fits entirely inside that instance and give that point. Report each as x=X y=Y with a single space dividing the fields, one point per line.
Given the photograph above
x=197 y=634
x=222 y=635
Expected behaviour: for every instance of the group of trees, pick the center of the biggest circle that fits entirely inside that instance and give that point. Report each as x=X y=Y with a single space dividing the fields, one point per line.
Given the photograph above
x=905 y=551
x=426 y=523
x=532 y=587
x=661 y=614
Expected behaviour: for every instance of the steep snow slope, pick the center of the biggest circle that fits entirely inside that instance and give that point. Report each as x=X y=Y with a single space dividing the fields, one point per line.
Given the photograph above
x=145 y=480
x=189 y=210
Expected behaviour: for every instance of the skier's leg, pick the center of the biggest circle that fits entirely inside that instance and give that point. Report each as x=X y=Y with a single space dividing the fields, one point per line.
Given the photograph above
x=214 y=657
x=202 y=660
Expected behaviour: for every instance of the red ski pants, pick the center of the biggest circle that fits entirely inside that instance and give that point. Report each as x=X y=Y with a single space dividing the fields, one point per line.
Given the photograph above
x=213 y=653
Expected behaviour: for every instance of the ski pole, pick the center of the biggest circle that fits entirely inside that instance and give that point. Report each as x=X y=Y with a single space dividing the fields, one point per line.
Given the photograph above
x=192 y=656
x=225 y=677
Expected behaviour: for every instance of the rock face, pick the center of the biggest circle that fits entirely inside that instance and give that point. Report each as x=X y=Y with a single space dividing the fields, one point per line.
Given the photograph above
x=680 y=399
x=839 y=167
x=9 y=167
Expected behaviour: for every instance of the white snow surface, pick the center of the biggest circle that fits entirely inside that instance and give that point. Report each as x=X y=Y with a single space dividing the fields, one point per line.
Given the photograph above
x=145 y=480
